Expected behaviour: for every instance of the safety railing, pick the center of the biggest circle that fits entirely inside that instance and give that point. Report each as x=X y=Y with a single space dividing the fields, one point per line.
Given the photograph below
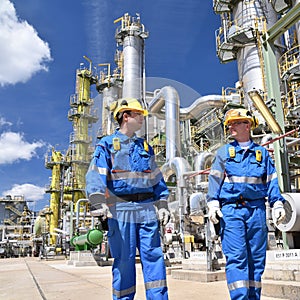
x=221 y=6
x=288 y=63
x=75 y=101
x=248 y=26
x=80 y=137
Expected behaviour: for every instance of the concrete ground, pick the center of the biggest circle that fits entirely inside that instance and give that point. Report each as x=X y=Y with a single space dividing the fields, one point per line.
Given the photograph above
x=34 y=279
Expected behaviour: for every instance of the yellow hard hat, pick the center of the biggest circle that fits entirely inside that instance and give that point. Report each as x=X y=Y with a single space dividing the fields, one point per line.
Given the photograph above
x=124 y=104
x=240 y=114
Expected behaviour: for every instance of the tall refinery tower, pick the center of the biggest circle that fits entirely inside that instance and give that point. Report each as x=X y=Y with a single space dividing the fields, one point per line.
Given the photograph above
x=68 y=171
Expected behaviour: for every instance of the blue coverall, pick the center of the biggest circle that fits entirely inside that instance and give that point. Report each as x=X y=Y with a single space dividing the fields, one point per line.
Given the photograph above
x=241 y=180
x=129 y=172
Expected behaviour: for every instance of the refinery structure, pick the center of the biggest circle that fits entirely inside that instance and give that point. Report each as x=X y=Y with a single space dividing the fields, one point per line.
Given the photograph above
x=263 y=37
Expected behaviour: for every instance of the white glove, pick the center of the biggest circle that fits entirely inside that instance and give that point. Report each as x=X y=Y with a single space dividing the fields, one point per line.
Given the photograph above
x=163 y=212
x=279 y=212
x=103 y=212
x=214 y=211
x=96 y=199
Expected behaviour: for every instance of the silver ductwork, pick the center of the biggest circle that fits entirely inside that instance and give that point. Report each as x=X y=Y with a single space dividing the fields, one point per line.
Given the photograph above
x=168 y=98
x=197 y=203
x=291 y=223
x=179 y=166
x=199 y=106
x=195 y=110
x=202 y=161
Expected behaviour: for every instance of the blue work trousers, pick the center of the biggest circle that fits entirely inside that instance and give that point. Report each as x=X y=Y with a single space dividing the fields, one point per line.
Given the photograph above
x=244 y=243
x=130 y=230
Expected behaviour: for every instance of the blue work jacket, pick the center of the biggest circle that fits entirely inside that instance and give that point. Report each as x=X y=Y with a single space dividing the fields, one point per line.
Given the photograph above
x=125 y=170
x=237 y=174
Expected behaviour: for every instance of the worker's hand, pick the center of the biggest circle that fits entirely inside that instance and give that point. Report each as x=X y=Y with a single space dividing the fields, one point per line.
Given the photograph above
x=214 y=211
x=103 y=212
x=163 y=212
x=279 y=212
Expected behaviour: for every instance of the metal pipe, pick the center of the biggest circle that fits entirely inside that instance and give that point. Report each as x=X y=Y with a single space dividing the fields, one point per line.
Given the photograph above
x=196 y=199
x=294 y=141
x=168 y=97
x=280 y=137
x=200 y=105
x=264 y=110
x=201 y=161
x=179 y=166
x=194 y=111
x=78 y=209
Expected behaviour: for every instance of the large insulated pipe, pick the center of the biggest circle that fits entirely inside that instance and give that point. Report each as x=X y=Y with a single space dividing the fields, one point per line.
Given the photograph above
x=291 y=223
x=197 y=108
x=194 y=111
x=168 y=97
x=202 y=161
x=197 y=203
x=179 y=166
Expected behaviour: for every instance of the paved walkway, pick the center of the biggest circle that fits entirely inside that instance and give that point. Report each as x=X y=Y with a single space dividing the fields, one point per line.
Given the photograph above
x=34 y=279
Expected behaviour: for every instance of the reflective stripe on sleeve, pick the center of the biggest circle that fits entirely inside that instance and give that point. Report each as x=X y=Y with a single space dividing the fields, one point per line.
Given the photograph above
x=216 y=173
x=271 y=177
x=101 y=171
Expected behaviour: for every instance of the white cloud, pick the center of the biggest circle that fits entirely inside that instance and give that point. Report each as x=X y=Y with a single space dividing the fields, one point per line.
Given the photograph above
x=13 y=148
x=4 y=122
x=29 y=191
x=23 y=52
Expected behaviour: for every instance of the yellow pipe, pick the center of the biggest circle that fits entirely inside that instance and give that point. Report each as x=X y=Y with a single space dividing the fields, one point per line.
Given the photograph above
x=265 y=112
x=118 y=20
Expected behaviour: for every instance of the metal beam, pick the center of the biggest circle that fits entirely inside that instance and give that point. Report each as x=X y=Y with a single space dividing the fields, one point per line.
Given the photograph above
x=283 y=24
x=273 y=88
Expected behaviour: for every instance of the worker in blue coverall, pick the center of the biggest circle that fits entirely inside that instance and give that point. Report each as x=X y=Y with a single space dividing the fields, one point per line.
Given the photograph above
x=241 y=178
x=124 y=169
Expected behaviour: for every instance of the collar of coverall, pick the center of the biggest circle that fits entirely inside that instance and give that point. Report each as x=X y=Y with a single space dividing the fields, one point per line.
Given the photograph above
x=124 y=137
x=239 y=148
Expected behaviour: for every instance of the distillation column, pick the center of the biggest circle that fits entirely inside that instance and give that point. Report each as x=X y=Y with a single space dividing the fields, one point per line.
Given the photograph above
x=239 y=38
x=82 y=114
x=110 y=86
x=56 y=163
x=131 y=34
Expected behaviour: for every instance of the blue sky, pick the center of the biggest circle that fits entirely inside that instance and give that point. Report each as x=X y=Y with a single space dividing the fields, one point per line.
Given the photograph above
x=42 y=43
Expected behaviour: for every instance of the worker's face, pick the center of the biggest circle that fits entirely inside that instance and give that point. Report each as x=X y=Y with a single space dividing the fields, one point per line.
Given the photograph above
x=135 y=120
x=240 y=130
